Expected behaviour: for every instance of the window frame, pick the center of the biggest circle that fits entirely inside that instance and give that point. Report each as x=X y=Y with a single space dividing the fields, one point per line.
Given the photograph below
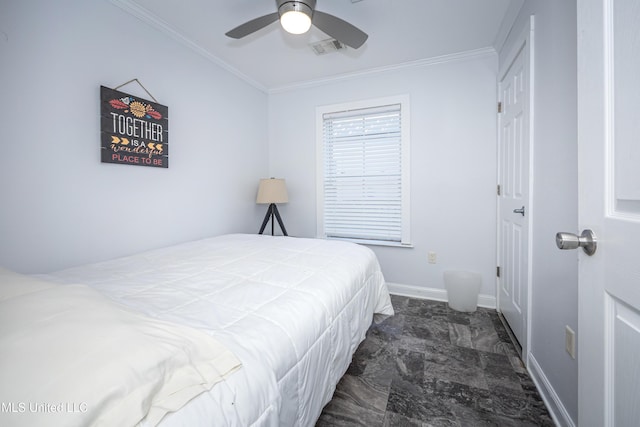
x=405 y=138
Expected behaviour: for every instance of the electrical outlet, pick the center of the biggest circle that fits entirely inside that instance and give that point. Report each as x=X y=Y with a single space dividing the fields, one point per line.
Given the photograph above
x=432 y=257
x=570 y=341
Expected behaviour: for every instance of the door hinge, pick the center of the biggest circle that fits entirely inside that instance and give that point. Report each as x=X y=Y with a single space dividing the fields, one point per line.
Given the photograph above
x=498 y=189
x=498 y=271
x=499 y=107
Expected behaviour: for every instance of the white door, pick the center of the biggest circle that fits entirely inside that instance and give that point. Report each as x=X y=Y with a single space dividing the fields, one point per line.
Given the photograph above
x=513 y=197
x=609 y=204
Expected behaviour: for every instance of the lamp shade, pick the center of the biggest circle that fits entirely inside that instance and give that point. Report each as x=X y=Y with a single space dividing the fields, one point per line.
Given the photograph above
x=272 y=190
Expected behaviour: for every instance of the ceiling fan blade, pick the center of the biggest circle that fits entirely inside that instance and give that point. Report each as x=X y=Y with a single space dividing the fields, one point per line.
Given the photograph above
x=339 y=29
x=252 y=26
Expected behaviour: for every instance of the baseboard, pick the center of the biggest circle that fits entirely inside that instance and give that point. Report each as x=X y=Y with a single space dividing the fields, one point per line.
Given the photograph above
x=436 y=294
x=557 y=410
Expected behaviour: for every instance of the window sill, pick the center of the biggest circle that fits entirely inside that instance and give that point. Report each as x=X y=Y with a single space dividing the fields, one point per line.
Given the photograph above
x=372 y=242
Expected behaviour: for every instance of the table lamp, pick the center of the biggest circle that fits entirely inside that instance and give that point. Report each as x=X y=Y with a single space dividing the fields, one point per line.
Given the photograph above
x=272 y=191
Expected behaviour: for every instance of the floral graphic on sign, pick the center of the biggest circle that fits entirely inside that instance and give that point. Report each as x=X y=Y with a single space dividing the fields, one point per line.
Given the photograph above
x=137 y=108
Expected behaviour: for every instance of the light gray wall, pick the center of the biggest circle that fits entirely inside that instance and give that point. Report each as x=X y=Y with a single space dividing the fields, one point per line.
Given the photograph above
x=59 y=205
x=453 y=163
x=555 y=191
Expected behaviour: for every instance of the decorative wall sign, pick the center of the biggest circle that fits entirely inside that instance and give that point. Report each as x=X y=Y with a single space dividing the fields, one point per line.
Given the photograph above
x=134 y=131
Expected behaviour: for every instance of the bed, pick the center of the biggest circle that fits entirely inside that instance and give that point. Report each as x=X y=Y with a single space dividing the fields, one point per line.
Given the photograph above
x=284 y=316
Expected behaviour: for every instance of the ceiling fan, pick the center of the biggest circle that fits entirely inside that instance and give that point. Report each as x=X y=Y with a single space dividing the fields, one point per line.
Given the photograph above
x=296 y=17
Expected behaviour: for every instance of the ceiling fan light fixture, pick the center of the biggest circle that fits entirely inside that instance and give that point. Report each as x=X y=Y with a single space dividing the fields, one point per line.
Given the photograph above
x=295 y=17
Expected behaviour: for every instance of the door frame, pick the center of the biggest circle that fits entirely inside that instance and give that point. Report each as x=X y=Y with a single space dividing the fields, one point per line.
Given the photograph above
x=524 y=43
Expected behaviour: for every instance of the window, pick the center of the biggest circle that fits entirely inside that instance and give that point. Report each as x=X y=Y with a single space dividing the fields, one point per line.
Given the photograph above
x=363 y=171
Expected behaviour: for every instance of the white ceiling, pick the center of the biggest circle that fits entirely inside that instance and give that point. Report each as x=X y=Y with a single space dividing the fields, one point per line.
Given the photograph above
x=400 y=32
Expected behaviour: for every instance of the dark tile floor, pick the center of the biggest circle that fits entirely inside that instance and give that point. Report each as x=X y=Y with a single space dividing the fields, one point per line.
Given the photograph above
x=432 y=366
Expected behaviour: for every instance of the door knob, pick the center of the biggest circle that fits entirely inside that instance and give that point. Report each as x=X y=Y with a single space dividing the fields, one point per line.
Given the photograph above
x=587 y=241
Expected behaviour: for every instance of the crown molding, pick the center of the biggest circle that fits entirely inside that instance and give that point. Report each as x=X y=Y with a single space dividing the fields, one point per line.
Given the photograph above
x=144 y=15
x=460 y=56
x=507 y=24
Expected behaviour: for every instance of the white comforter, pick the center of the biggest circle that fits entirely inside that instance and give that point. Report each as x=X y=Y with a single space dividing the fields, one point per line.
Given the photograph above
x=292 y=310
x=71 y=357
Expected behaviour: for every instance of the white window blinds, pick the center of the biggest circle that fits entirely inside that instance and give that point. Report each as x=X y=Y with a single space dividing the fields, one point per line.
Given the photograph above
x=363 y=179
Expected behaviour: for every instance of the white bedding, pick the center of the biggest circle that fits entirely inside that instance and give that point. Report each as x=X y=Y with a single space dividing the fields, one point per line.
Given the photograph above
x=292 y=310
x=69 y=356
